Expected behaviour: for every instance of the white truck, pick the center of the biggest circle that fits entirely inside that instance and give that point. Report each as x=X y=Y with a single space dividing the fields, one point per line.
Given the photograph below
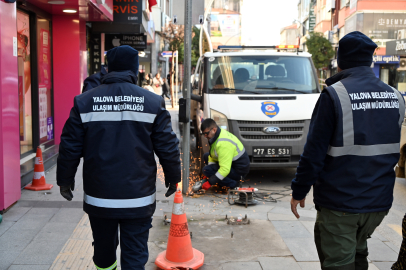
x=263 y=95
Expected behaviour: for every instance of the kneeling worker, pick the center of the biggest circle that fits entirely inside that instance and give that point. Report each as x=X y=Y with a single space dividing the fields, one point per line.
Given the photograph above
x=227 y=160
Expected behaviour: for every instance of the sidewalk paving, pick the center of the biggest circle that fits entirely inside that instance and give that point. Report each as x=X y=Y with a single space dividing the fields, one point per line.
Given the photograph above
x=43 y=231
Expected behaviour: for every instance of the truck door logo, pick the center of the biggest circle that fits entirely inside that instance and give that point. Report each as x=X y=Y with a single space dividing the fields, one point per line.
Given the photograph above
x=270 y=108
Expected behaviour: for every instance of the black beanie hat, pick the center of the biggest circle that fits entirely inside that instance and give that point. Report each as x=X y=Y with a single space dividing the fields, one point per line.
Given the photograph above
x=355 y=49
x=123 y=58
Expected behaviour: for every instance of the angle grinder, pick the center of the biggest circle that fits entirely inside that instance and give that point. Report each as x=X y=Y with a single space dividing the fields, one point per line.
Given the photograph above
x=198 y=185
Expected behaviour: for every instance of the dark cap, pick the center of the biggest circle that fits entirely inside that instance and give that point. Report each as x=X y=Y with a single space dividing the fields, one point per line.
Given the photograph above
x=355 y=49
x=123 y=58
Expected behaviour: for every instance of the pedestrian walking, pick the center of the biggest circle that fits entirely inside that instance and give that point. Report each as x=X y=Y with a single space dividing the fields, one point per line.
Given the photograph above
x=401 y=262
x=165 y=89
x=117 y=128
x=147 y=82
x=351 y=150
x=157 y=84
x=94 y=80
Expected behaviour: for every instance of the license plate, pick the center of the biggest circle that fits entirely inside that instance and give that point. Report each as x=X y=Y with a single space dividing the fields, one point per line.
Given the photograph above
x=272 y=151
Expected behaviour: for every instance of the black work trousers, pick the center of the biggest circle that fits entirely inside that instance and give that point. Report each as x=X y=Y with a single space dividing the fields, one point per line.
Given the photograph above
x=133 y=237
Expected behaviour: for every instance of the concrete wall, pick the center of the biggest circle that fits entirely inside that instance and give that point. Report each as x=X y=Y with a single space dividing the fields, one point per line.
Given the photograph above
x=9 y=109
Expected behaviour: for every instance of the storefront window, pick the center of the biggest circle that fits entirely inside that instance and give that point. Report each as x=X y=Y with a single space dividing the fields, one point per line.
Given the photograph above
x=24 y=81
x=46 y=123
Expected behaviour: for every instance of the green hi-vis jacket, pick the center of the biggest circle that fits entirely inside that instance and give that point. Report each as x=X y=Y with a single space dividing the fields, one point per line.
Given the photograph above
x=224 y=151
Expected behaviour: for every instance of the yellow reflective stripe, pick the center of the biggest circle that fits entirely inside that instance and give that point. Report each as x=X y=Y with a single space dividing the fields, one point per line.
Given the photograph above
x=108 y=268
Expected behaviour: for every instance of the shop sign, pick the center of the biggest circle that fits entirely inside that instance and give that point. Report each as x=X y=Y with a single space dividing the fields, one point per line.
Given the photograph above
x=396 y=47
x=127 y=11
x=95 y=52
x=383 y=25
x=44 y=60
x=377 y=25
x=147 y=56
x=50 y=128
x=138 y=42
x=386 y=59
x=223 y=25
x=43 y=108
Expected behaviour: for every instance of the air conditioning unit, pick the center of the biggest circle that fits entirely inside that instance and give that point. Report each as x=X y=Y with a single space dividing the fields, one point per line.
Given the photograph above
x=401 y=34
x=402 y=63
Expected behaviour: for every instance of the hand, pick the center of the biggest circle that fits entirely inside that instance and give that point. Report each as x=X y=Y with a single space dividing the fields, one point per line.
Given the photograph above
x=66 y=191
x=206 y=185
x=171 y=190
x=213 y=180
x=293 y=206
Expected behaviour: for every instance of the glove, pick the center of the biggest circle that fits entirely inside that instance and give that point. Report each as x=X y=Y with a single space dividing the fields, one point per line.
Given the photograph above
x=213 y=180
x=206 y=185
x=171 y=190
x=66 y=191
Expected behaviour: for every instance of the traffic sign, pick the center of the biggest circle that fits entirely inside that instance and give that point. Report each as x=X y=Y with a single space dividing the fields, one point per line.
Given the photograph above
x=167 y=54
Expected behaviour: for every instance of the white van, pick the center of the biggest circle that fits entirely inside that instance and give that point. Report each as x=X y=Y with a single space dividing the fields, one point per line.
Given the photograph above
x=264 y=97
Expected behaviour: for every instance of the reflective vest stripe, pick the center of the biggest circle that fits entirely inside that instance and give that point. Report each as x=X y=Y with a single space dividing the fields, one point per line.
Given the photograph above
x=219 y=176
x=364 y=150
x=108 y=268
x=117 y=116
x=212 y=163
x=120 y=203
x=348 y=125
x=401 y=106
x=240 y=153
x=348 y=130
x=230 y=141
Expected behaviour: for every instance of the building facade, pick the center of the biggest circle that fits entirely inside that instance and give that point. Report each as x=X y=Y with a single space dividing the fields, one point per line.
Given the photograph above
x=381 y=20
x=43 y=64
x=290 y=35
x=47 y=49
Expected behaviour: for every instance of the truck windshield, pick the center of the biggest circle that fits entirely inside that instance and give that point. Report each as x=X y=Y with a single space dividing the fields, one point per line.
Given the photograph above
x=261 y=75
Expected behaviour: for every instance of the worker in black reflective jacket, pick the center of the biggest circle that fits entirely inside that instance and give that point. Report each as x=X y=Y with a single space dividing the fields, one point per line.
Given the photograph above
x=94 y=80
x=117 y=127
x=351 y=150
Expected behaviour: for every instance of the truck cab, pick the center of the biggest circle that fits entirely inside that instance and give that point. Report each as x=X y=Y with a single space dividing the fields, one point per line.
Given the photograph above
x=265 y=97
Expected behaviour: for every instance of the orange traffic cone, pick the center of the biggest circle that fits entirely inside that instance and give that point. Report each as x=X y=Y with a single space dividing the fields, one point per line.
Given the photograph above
x=38 y=183
x=179 y=252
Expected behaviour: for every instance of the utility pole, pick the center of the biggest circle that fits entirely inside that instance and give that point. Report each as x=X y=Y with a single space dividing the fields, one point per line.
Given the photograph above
x=186 y=94
x=177 y=78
